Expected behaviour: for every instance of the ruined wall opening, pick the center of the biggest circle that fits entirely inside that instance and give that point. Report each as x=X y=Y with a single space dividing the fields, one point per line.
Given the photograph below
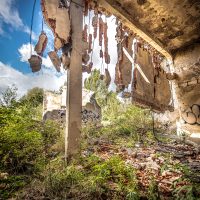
x=128 y=62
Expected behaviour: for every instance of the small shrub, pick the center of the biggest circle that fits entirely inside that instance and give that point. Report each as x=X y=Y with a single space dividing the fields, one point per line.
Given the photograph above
x=24 y=141
x=153 y=193
x=111 y=177
x=61 y=179
x=19 y=149
x=11 y=184
x=189 y=191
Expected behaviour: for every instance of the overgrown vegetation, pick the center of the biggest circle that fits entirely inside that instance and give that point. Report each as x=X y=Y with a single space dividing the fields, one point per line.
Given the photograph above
x=25 y=140
x=32 y=164
x=89 y=178
x=124 y=120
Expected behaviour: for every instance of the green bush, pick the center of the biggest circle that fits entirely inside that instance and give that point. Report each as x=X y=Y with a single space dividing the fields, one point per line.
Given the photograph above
x=23 y=144
x=19 y=149
x=110 y=179
x=88 y=178
x=61 y=179
x=33 y=97
x=23 y=138
x=131 y=119
x=115 y=172
x=11 y=184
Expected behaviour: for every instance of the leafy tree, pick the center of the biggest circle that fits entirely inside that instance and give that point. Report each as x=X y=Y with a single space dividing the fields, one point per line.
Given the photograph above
x=93 y=82
x=9 y=96
x=23 y=136
x=98 y=86
x=25 y=140
x=34 y=96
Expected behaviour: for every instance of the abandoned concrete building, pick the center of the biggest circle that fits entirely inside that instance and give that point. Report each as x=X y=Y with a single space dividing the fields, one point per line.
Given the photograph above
x=164 y=73
x=54 y=107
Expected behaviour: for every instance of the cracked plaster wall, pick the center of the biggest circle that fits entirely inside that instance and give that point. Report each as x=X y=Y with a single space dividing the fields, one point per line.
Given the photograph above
x=187 y=66
x=186 y=93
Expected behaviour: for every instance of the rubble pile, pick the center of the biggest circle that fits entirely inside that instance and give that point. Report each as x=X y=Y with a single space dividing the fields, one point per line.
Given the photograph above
x=166 y=164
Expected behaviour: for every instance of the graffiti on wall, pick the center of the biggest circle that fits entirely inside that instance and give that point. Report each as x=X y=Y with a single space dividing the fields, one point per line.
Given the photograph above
x=55 y=107
x=192 y=115
x=89 y=116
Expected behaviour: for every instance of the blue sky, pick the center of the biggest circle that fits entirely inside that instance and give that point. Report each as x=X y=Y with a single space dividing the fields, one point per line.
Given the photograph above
x=15 y=34
x=15 y=22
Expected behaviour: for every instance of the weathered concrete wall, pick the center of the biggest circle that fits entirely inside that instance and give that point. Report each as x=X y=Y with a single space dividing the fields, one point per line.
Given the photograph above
x=54 y=107
x=186 y=94
x=51 y=101
x=187 y=66
x=187 y=63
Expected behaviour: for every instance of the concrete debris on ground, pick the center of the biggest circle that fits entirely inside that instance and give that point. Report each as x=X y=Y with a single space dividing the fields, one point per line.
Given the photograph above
x=158 y=162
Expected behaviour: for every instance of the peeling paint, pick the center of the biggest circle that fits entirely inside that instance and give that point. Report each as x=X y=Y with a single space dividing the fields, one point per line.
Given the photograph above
x=58 y=20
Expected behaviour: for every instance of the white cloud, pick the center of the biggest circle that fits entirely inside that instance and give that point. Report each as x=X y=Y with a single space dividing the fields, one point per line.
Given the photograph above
x=10 y=15
x=25 y=53
x=46 y=62
x=44 y=79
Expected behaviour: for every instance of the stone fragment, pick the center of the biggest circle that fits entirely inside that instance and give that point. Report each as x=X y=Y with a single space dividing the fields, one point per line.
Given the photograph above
x=57 y=18
x=85 y=46
x=65 y=61
x=42 y=43
x=196 y=110
x=90 y=41
x=95 y=25
x=35 y=63
x=55 y=60
x=87 y=68
x=198 y=120
x=85 y=58
x=129 y=151
x=152 y=165
x=57 y=43
x=107 y=77
x=4 y=175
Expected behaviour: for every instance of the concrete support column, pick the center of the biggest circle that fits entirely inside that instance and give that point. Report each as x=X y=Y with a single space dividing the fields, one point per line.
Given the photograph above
x=74 y=87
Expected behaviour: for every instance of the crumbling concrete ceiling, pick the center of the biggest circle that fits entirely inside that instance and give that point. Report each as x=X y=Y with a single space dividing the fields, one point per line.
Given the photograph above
x=174 y=23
